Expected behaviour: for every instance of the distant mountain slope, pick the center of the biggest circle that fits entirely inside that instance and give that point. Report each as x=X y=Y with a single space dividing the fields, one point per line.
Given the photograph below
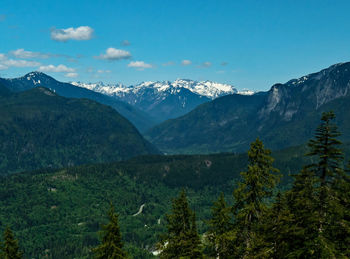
x=210 y=127
x=4 y=91
x=39 y=129
x=284 y=116
x=164 y=100
x=34 y=79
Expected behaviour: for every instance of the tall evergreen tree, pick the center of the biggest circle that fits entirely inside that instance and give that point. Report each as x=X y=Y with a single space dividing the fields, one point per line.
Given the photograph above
x=111 y=246
x=220 y=227
x=10 y=248
x=315 y=199
x=182 y=239
x=327 y=168
x=251 y=196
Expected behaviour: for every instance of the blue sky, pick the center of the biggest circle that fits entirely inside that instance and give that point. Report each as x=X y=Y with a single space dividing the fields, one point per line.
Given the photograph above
x=250 y=44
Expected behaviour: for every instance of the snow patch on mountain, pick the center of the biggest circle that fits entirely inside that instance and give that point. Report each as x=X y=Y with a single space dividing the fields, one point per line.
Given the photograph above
x=102 y=88
x=208 y=89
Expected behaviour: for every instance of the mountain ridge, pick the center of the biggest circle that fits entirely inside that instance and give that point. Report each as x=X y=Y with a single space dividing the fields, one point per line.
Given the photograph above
x=283 y=116
x=165 y=100
x=34 y=79
x=205 y=88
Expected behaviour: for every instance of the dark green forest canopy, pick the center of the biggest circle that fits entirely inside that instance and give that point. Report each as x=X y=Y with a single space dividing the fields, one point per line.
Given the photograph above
x=51 y=209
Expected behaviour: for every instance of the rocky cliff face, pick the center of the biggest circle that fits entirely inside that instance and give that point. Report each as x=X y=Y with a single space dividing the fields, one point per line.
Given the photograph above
x=313 y=90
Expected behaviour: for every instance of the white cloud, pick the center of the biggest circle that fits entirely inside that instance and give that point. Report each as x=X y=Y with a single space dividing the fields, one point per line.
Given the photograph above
x=21 y=53
x=115 y=54
x=19 y=63
x=206 y=64
x=59 y=68
x=140 y=65
x=79 y=33
x=71 y=75
x=125 y=43
x=186 y=62
x=6 y=63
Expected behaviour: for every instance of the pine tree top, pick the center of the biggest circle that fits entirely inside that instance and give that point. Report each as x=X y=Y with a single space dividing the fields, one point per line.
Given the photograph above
x=257 y=183
x=112 y=244
x=325 y=148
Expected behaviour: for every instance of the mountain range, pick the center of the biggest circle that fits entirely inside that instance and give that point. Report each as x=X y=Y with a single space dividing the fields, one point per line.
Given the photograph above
x=213 y=117
x=165 y=100
x=145 y=104
x=140 y=119
x=39 y=128
x=286 y=115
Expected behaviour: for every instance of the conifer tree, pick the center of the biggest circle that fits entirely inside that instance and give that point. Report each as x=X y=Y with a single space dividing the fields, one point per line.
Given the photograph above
x=329 y=157
x=276 y=233
x=182 y=239
x=10 y=248
x=220 y=226
x=251 y=196
x=316 y=198
x=111 y=246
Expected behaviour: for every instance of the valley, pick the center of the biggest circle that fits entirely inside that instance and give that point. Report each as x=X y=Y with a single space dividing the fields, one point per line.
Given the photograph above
x=174 y=130
x=58 y=213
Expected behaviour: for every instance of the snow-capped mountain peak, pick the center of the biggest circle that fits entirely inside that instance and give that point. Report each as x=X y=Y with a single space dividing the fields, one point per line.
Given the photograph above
x=35 y=76
x=208 y=89
x=164 y=99
x=100 y=87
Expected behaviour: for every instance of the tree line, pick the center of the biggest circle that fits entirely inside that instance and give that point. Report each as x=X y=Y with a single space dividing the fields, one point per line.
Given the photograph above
x=309 y=220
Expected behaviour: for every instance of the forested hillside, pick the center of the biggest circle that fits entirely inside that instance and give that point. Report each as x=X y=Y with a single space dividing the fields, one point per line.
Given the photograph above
x=40 y=129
